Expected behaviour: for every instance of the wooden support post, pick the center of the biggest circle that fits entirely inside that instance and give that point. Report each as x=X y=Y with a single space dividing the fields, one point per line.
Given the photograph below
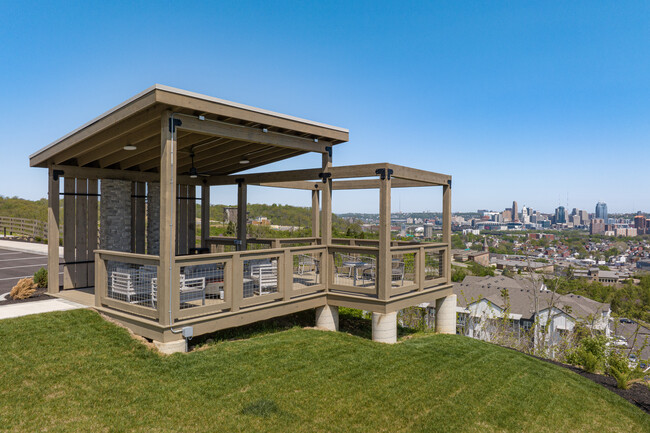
x=205 y=215
x=241 y=214
x=327 y=272
x=191 y=217
x=81 y=234
x=384 y=259
x=315 y=213
x=92 y=224
x=53 y=234
x=69 y=277
x=168 y=158
x=101 y=280
x=446 y=229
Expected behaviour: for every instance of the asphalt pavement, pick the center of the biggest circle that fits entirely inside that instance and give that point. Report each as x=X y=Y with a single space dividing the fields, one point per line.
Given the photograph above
x=15 y=265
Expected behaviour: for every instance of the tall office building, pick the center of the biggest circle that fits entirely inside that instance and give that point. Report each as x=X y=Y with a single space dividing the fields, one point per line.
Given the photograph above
x=601 y=210
x=560 y=215
x=515 y=211
x=597 y=226
x=640 y=224
x=584 y=217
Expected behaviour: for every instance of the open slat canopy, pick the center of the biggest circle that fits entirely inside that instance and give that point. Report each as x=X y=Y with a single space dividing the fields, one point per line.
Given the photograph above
x=218 y=133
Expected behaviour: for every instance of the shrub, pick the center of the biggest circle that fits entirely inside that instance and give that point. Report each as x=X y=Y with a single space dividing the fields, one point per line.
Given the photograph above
x=590 y=354
x=40 y=278
x=24 y=289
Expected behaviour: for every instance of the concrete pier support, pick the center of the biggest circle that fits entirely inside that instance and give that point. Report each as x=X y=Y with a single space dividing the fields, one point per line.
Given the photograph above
x=178 y=346
x=384 y=327
x=327 y=317
x=446 y=315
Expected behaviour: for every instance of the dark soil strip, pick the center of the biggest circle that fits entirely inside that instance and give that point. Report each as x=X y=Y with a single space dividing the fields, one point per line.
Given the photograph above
x=39 y=295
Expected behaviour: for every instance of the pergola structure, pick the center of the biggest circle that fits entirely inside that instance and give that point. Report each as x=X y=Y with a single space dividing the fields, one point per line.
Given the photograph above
x=143 y=162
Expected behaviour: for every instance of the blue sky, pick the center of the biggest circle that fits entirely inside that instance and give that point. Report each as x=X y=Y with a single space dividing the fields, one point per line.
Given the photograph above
x=526 y=101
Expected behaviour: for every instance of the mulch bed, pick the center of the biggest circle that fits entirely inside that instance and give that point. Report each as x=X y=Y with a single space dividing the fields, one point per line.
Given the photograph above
x=39 y=295
x=637 y=394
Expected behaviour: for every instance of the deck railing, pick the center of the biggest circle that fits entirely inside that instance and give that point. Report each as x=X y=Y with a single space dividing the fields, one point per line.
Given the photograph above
x=233 y=282
x=229 y=244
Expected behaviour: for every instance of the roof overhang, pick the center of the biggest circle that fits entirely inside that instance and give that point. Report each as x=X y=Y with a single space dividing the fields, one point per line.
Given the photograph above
x=218 y=133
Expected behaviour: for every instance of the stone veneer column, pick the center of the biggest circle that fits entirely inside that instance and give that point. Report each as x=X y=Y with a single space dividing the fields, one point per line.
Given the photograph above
x=153 y=218
x=115 y=215
x=446 y=315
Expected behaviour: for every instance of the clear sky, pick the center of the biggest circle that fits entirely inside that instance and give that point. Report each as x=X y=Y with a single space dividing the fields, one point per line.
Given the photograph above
x=526 y=101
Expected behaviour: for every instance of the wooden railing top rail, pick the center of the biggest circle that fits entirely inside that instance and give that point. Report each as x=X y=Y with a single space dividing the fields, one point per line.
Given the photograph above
x=123 y=255
x=254 y=253
x=415 y=248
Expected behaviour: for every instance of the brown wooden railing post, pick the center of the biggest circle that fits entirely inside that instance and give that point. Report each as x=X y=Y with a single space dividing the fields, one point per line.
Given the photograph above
x=237 y=281
x=446 y=228
x=286 y=275
x=101 y=279
x=421 y=269
x=384 y=259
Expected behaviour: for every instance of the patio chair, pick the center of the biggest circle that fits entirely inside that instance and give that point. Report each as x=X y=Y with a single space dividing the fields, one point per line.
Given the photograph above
x=124 y=282
x=305 y=261
x=397 y=272
x=265 y=276
x=191 y=289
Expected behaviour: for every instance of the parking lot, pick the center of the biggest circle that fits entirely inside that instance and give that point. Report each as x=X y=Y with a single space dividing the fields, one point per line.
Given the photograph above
x=15 y=265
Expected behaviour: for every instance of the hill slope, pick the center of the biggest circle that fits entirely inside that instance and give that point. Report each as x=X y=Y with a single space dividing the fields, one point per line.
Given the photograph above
x=73 y=371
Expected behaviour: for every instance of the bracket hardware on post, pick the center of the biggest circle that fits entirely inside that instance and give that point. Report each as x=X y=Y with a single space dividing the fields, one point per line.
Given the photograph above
x=449 y=183
x=240 y=181
x=173 y=123
x=315 y=186
x=329 y=150
x=324 y=176
x=383 y=174
x=56 y=174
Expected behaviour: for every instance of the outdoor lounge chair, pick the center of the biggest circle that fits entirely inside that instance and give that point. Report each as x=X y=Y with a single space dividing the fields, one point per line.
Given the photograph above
x=265 y=276
x=192 y=289
x=124 y=283
x=307 y=262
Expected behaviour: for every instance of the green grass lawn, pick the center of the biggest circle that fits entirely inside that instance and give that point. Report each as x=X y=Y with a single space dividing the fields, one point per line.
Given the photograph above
x=72 y=371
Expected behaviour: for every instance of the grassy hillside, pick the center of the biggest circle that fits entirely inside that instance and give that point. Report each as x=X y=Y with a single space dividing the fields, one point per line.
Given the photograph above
x=22 y=208
x=72 y=371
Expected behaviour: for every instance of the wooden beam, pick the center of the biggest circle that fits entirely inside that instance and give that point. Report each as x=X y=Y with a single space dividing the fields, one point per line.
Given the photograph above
x=409 y=173
x=107 y=173
x=53 y=212
x=312 y=186
x=257 y=178
x=253 y=135
x=151 y=158
x=280 y=155
x=375 y=184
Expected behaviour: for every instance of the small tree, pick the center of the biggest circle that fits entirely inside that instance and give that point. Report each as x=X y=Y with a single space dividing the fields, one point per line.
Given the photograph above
x=40 y=278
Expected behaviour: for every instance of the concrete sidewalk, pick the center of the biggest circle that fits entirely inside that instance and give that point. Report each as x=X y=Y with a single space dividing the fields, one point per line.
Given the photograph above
x=35 y=307
x=28 y=247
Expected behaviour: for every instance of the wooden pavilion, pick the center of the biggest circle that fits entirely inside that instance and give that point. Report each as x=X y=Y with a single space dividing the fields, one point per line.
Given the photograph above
x=130 y=223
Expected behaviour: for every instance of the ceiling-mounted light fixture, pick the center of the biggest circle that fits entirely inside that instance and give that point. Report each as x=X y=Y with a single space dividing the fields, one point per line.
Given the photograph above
x=193 y=172
x=244 y=160
x=315 y=140
x=265 y=130
x=130 y=147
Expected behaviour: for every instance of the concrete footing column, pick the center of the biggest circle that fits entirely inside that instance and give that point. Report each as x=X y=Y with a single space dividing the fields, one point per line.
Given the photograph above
x=327 y=317
x=384 y=327
x=446 y=315
x=178 y=346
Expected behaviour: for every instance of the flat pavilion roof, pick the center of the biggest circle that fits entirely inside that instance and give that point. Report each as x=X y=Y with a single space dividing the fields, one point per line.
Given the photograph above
x=236 y=131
